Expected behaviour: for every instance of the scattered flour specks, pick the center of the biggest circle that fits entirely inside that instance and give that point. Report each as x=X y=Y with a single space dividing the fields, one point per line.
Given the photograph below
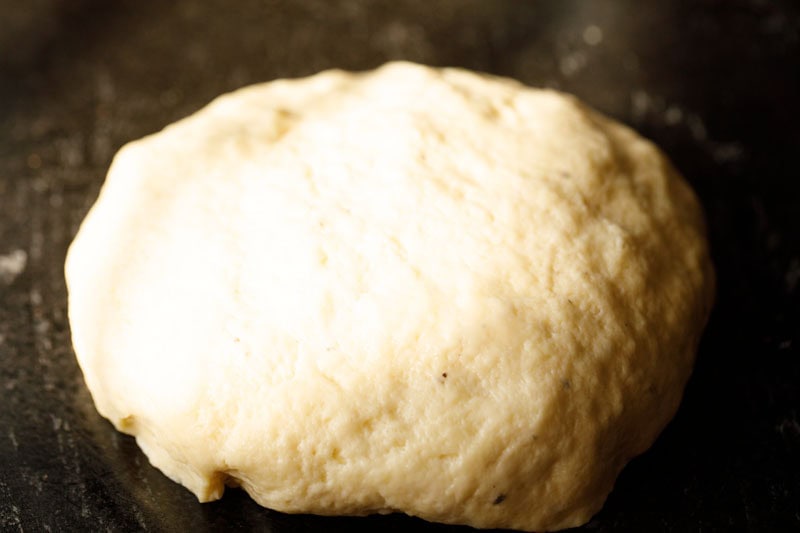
x=726 y=152
x=592 y=35
x=13 y=438
x=648 y=107
x=673 y=115
x=12 y=265
x=9 y=515
x=572 y=63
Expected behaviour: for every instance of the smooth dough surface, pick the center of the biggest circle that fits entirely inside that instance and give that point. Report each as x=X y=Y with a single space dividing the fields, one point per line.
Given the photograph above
x=413 y=289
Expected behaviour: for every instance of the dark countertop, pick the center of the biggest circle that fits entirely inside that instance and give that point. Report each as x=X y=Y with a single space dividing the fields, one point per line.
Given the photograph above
x=715 y=83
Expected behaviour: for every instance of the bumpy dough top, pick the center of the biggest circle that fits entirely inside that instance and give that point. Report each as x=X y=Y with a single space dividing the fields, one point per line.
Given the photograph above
x=414 y=289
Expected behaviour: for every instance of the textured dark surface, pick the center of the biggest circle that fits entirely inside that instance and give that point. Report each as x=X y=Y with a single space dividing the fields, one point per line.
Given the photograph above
x=716 y=84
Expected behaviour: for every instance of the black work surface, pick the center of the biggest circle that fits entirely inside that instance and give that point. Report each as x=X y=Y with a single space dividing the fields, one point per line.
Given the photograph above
x=715 y=84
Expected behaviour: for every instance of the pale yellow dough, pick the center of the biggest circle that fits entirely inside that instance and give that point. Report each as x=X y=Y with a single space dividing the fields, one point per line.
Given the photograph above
x=413 y=289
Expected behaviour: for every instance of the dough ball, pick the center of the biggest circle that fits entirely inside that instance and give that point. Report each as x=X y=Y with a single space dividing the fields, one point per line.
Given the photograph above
x=413 y=289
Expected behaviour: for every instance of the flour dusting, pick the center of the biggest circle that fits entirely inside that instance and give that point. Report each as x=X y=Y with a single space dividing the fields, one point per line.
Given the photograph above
x=12 y=265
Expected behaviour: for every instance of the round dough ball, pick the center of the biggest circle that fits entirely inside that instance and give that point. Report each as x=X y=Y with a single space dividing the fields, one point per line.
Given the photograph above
x=414 y=289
